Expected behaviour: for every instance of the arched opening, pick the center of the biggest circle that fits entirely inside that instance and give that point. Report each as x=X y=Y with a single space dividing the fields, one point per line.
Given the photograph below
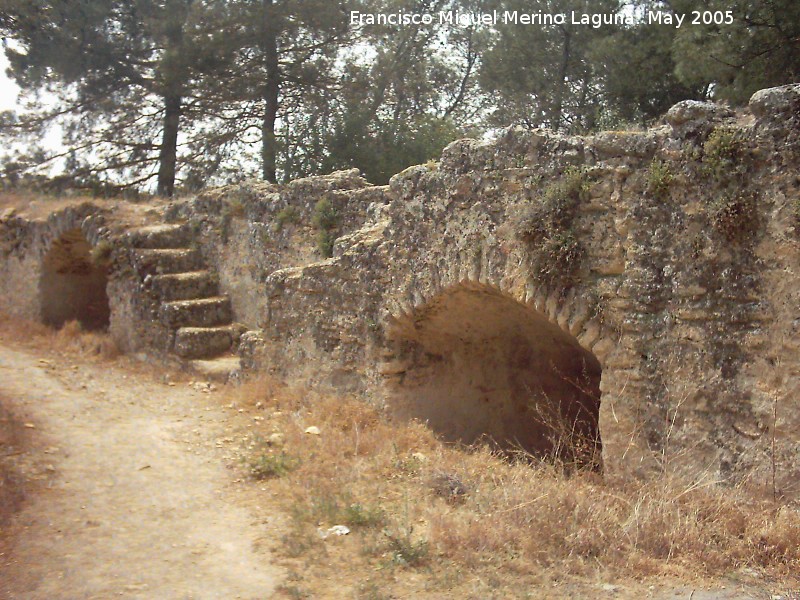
x=73 y=285
x=479 y=366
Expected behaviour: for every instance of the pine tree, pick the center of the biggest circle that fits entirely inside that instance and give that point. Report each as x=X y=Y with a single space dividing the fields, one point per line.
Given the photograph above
x=123 y=78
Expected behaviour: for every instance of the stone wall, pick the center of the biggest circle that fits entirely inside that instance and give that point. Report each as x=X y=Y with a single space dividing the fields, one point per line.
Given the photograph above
x=666 y=260
x=24 y=245
x=671 y=255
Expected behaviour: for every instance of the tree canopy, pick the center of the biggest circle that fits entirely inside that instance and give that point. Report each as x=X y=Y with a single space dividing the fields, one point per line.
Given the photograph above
x=166 y=95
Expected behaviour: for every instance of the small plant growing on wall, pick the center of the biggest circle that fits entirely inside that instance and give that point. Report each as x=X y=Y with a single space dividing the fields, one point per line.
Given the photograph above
x=559 y=258
x=101 y=254
x=325 y=220
x=725 y=154
x=546 y=226
x=734 y=215
x=731 y=209
x=285 y=216
x=659 y=179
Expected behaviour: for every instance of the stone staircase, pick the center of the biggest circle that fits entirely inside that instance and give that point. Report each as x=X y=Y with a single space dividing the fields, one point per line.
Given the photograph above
x=190 y=306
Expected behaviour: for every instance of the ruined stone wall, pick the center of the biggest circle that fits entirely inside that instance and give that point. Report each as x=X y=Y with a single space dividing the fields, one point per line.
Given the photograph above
x=665 y=262
x=672 y=255
x=248 y=231
x=24 y=244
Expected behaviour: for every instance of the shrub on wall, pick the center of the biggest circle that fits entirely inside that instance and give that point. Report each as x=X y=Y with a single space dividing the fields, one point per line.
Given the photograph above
x=325 y=220
x=286 y=215
x=734 y=215
x=659 y=179
x=546 y=226
x=725 y=154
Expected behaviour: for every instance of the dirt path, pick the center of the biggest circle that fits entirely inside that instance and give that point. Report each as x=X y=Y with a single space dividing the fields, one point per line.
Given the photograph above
x=136 y=502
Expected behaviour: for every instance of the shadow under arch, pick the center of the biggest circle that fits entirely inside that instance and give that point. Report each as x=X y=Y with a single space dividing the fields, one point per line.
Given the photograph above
x=72 y=286
x=478 y=365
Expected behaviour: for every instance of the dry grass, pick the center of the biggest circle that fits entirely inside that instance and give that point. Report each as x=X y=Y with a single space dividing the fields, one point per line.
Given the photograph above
x=35 y=204
x=418 y=506
x=70 y=339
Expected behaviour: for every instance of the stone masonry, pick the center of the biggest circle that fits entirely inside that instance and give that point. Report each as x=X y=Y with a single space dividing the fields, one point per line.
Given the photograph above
x=640 y=286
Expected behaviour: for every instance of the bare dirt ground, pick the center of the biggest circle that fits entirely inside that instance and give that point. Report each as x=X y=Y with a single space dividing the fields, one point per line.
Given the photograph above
x=127 y=494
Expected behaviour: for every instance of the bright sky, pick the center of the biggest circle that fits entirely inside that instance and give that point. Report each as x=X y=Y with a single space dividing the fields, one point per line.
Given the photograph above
x=8 y=90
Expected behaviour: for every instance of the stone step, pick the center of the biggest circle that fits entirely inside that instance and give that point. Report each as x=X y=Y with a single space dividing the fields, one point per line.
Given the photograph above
x=203 y=342
x=185 y=286
x=202 y=312
x=157 y=261
x=222 y=369
x=161 y=236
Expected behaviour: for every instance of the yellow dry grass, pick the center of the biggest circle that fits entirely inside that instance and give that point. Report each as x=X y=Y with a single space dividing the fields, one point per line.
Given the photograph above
x=430 y=520
x=70 y=339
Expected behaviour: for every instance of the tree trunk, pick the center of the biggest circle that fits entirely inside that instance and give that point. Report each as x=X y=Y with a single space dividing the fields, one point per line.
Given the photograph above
x=175 y=77
x=561 y=86
x=269 y=143
x=168 y=157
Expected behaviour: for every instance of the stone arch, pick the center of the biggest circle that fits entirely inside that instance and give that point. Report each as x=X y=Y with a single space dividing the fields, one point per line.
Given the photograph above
x=72 y=281
x=515 y=369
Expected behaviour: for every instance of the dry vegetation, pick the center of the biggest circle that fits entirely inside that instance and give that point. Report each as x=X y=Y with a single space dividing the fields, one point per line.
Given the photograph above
x=71 y=339
x=432 y=520
x=428 y=519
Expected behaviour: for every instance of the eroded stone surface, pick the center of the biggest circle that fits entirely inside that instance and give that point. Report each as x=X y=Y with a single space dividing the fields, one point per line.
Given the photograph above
x=681 y=279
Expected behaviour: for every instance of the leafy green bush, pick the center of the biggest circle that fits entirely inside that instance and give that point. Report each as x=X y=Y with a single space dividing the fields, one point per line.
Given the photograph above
x=325 y=219
x=325 y=241
x=325 y=215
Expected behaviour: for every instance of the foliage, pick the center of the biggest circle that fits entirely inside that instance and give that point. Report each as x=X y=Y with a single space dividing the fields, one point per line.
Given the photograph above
x=286 y=215
x=638 y=79
x=360 y=515
x=123 y=76
x=659 y=179
x=556 y=208
x=179 y=94
x=266 y=465
x=406 y=549
x=725 y=157
x=102 y=254
x=547 y=228
x=544 y=76
x=735 y=216
x=325 y=215
x=760 y=49
x=325 y=219
x=725 y=145
x=519 y=522
x=325 y=242
x=559 y=258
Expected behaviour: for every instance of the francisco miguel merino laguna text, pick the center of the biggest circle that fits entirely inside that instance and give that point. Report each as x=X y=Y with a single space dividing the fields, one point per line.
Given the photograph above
x=514 y=17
